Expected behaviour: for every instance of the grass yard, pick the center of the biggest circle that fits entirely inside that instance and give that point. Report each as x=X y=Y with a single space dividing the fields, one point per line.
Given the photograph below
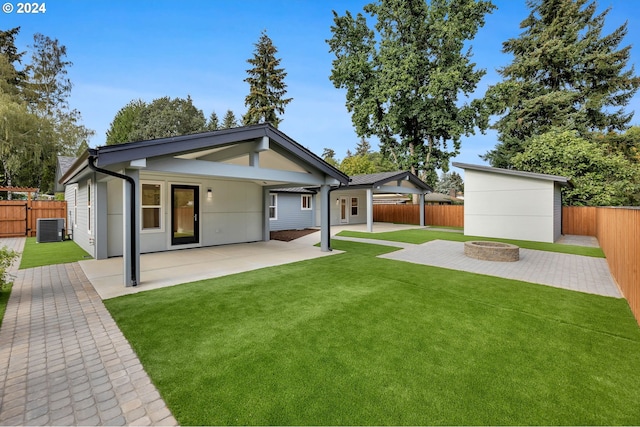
x=351 y=339
x=419 y=236
x=41 y=254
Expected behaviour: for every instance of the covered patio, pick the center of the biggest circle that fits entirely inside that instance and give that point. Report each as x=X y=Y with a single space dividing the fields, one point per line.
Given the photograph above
x=162 y=269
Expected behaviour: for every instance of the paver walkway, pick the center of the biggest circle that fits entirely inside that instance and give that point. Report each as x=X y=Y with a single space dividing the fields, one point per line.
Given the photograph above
x=63 y=360
x=573 y=272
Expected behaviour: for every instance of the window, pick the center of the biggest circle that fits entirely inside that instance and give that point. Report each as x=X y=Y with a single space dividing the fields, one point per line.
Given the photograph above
x=305 y=200
x=354 y=206
x=151 y=206
x=273 y=206
x=89 y=206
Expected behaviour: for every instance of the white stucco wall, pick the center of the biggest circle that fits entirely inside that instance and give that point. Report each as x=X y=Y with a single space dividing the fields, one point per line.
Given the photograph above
x=508 y=206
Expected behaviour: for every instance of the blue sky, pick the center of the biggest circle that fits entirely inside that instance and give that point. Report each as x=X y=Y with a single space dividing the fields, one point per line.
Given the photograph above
x=124 y=50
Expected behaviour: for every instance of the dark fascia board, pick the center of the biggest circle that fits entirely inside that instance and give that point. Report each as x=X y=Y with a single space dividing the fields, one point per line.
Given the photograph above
x=114 y=154
x=294 y=190
x=562 y=180
x=399 y=176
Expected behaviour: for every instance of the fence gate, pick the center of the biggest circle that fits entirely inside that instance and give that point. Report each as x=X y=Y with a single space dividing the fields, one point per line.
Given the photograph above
x=13 y=219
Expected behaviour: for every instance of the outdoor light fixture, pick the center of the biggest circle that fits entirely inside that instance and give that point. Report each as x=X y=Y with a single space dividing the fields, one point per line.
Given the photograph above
x=209 y=194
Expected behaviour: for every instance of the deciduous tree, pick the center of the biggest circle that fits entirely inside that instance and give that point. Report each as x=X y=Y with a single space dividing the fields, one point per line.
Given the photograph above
x=405 y=76
x=599 y=178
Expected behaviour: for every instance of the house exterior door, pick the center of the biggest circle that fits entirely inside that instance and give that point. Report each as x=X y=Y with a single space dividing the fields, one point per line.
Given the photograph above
x=185 y=209
x=344 y=210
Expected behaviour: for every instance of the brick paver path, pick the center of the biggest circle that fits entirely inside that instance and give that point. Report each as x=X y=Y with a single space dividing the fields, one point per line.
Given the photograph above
x=63 y=360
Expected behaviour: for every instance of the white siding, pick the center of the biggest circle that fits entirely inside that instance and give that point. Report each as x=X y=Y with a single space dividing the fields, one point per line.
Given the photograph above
x=80 y=229
x=507 y=206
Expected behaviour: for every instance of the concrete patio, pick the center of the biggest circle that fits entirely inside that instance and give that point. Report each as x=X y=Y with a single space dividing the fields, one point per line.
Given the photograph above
x=161 y=269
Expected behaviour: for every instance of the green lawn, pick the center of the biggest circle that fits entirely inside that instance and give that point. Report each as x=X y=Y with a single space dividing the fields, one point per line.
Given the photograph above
x=351 y=339
x=41 y=254
x=419 y=236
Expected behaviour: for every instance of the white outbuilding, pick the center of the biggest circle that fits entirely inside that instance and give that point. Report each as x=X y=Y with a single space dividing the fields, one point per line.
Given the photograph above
x=510 y=204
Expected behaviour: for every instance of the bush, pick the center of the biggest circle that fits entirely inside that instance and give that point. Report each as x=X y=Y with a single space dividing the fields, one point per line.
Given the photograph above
x=7 y=256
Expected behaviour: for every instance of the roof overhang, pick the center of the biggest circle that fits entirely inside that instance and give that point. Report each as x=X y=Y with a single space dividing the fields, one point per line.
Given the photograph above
x=221 y=146
x=562 y=180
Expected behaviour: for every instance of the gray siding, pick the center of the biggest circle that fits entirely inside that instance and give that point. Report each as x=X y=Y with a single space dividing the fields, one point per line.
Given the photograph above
x=290 y=213
x=557 y=212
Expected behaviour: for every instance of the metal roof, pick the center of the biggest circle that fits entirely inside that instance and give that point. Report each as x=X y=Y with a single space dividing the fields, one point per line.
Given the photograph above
x=556 y=178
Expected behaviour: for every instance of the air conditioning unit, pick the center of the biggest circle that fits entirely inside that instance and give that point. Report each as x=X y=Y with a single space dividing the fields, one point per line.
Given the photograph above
x=49 y=230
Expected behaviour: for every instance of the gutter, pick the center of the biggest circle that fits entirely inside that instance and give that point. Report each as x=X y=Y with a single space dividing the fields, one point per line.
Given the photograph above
x=132 y=237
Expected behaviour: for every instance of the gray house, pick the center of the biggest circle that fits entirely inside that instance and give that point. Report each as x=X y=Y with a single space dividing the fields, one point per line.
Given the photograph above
x=189 y=191
x=292 y=208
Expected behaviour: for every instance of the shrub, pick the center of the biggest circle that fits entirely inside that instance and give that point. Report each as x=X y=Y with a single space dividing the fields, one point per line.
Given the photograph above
x=7 y=256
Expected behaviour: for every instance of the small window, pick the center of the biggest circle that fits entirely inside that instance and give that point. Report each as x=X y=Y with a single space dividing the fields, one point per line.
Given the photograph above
x=151 y=206
x=354 y=206
x=273 y=206
x=89 y=206
x=306 y=202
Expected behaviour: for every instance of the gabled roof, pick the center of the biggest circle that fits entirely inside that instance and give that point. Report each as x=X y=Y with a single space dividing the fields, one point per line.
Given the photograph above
x=185 y=144
x=562 y=180
x=382 y=178
x=64 y=164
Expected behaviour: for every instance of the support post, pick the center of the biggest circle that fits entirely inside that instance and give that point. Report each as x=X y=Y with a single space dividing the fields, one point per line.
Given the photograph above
x=369 y=210
x=421 y=209
x=266 y=224
x=325 y=231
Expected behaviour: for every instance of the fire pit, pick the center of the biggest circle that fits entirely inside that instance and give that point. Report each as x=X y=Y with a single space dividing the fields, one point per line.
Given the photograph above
x=491 y=251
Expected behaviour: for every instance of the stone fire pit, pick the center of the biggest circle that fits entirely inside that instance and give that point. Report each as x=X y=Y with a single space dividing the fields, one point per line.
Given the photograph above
x=491 y=251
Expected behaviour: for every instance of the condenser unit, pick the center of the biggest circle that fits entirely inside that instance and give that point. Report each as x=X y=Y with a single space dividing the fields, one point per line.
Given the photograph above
x=49 y=230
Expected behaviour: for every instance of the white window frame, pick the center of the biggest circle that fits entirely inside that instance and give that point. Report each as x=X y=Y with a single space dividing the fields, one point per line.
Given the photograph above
x=160 y=229
x=89 y=206
x=357 y=206
x=273 y=204
x=306 y=197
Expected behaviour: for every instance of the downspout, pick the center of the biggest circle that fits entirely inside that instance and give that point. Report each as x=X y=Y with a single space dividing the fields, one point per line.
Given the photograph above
x=132 y=238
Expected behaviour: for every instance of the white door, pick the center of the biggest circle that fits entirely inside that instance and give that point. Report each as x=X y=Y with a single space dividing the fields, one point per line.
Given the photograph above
x=344 y=210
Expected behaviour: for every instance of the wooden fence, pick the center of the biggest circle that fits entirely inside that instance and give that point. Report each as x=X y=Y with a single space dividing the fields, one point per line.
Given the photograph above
x=580 y=220
x=443 y=215
x=19 y=217
x=618 y=232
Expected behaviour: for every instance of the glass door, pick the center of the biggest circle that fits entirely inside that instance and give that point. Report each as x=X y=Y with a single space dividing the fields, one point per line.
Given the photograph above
x=344 y=213
x=185 y=208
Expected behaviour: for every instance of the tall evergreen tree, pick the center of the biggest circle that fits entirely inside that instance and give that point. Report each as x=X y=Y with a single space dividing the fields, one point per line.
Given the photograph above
x=404 y=78
x=214 y=122
x=267 y=89
x=229 y=120
x=565 y=73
